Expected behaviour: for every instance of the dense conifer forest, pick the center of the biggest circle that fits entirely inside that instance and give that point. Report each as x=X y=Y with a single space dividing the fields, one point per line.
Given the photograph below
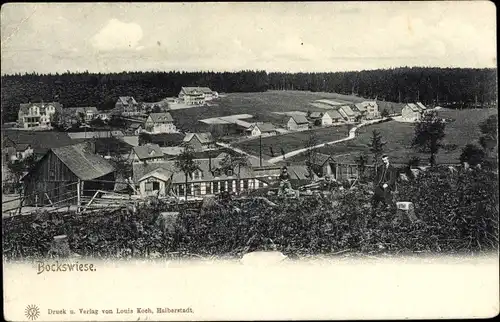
x=456 y=86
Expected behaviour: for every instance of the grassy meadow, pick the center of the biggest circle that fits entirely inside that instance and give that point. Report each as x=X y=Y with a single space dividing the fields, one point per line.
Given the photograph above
x=262 y=106
x=463 y=130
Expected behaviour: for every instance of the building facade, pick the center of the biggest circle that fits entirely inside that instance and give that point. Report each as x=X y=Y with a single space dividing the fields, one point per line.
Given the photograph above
x=37 y=115
x=160 y=123
x=297 y=123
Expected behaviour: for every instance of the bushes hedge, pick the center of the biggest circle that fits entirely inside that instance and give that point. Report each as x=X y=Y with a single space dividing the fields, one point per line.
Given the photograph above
x=458 y=213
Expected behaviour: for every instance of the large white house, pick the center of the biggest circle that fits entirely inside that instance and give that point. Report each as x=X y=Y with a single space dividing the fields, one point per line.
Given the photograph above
x=37 y=115
x=413 y=112
x=369 y=109
x=160 y=123
x=192 y=95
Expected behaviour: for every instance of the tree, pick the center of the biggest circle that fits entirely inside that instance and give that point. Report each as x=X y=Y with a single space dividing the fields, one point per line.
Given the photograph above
x=376 y=147
x=489 y=133
x=311 y=154
x=429 y=133
x=97 y=122
x=186 y=163
x=156 y=109
x=235 y=162
x=361 y=161
x=384 y=113
x=81 y=117
x=472 y=154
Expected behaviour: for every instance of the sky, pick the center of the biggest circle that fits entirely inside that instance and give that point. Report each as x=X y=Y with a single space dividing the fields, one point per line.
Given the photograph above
x=271 y=36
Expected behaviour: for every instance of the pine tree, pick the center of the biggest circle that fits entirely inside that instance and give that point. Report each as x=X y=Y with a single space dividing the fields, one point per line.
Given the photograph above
x=429 y=133
x=376 y=147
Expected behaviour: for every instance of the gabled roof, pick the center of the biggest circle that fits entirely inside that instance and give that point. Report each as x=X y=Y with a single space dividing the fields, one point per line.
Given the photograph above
x=111 y=145
x=135 y=126
x=334 y=114
x=24 y=107
x=265 y=127
x=347 y=109
x=148 y=151
x=196 y=89
x=126 y=99
x=202 y=137
x=40 y=141
x=300 y=119
x=161 y=117
x=316 y=115
x=414 y=107
x=321 y=159
x=422 y=106
x=160 y=173
x=85 y=165
x=360 y=107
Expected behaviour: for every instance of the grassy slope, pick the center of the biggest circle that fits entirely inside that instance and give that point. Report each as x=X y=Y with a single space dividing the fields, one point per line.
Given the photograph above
x=291 y=141
x=399 y=135
x=260 y=105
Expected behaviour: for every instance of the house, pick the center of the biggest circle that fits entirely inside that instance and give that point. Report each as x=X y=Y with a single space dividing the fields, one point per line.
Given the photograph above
x=298 y=123
x=103 y=116
x=208 y=179
x=347 y=113
x=199 y=141
x=40 y=142
x=192 y=95
x=369 y=109
x=160 y=123
x=412 y=112
x=262 y=129
x=126 y=104
x=167 y=139
x=315 y=116
x=338 y=169
x=148 y=153
x=37 y=115
x=330 y=117
x=108 y=147
x=136 y=128
x=85 y=114
x=56 y=176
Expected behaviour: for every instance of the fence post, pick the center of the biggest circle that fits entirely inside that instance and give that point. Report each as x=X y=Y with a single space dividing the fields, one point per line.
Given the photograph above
x=78 y=195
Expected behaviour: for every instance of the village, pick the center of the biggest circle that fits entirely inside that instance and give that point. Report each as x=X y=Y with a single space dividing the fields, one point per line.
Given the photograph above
x=80 y=155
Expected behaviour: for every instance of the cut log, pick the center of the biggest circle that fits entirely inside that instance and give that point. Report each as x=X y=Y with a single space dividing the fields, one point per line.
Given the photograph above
x=406 y=210
x=60 y=247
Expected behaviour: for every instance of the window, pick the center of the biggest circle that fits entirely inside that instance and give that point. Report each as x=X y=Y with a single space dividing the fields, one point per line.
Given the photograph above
x=245 y=184
x=156 y=186
x=216 y=187
x=149 y=186
x=181 y=190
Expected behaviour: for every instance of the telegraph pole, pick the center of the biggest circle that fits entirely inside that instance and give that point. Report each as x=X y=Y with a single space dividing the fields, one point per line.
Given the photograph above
x=260 y=150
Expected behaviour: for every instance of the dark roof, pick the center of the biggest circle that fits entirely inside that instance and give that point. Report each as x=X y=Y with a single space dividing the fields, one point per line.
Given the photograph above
x=321 y=159
x=25 y=106
x=300 y=119
x=167 y=139
x=205 y=137
x=126 y=99
x=316 y=115
x=334 y=114
x=196 y=89
x=148 y=151
x=347 y=109
x=40 y=141
x=161 y=117
x=414 y=107
x=112 y=145
x=266 y=127
x=85 y=165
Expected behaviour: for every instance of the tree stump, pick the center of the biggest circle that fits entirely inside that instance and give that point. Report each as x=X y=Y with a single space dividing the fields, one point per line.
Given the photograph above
x=406 y=210
x=60 y=247
x=167 y=221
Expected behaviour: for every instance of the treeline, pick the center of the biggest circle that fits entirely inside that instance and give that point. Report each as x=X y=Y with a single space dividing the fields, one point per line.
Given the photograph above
x=444 y=86
x=102 y=90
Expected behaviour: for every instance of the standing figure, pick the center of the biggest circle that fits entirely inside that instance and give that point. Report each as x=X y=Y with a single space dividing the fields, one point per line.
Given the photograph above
x=384 y=184
x=285 y=184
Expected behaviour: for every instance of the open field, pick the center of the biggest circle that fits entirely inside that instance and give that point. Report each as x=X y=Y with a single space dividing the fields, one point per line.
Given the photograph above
x=291 y=141
x=262 y=106
x=398 y=136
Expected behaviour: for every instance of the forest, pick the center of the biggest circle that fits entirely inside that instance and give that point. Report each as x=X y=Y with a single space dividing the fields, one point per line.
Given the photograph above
x=459 y=87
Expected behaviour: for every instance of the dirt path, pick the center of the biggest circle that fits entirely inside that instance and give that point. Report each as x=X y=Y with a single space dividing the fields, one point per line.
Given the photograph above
x=352 y=135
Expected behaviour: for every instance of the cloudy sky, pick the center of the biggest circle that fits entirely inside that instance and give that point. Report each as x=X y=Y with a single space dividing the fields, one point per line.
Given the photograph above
x=335 y=36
